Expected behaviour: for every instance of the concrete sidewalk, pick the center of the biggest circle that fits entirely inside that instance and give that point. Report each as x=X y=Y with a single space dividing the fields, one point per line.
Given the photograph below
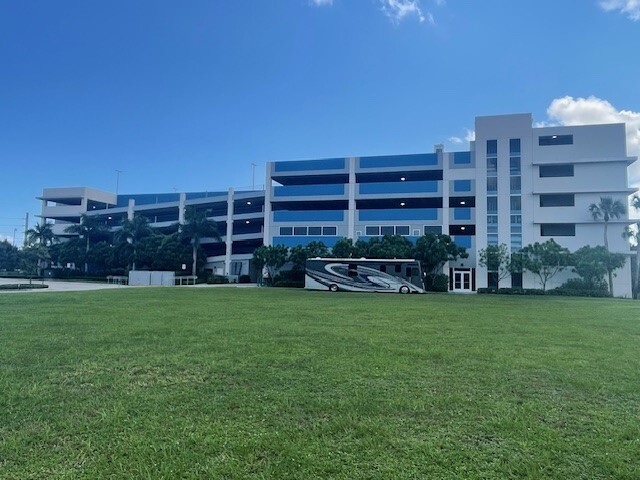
x=57 y=286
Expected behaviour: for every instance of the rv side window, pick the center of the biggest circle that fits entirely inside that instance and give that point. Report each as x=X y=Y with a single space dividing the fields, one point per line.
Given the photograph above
x=353 y=270
x=383 y=268
x=398 y=268
x=408 y=272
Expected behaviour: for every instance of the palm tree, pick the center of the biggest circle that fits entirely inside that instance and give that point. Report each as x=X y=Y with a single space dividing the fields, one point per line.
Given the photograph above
x=42 y=236
x=89 y=228
x=607 y=209
x=196 y=227
x=132 y=231
x=632 y=233
x=41 y=233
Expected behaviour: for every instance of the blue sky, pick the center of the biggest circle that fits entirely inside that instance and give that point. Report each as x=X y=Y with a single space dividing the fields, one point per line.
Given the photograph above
x=187 y=95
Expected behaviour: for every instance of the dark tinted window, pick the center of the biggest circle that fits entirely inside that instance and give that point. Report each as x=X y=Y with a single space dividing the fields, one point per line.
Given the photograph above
x=315 y=230
x=564 y=170
x=286 y=231
x=402 y=230
x=558 y=229
x=492 y=148
x=555 y=140
x=557 y=200
x=329 y=230
x=514 y=146
x=437 y=229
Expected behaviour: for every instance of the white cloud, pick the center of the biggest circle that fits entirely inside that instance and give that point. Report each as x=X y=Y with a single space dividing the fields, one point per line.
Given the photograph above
x=629 y=7
x=470 y=136
x=321 y=3
x=593 y=110
x=398 y=10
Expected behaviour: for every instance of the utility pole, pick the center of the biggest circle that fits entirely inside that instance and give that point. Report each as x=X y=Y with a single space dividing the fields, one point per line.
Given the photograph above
x=14 y=236
x=118 y=172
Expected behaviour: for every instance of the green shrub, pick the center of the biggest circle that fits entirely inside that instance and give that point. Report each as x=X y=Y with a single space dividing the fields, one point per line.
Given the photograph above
x=440 y=283
x=217 y=279
x=577 y=287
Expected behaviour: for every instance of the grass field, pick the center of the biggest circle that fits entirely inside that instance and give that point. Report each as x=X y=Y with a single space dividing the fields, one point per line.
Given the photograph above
x=291 y=384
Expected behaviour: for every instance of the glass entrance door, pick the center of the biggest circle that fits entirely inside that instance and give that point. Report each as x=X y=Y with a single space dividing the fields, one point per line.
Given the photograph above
x=461 y=281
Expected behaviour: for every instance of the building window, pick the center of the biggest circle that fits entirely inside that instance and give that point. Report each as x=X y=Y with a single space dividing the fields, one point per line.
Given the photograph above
x=558 y=230
x=402 y=230
x=462 y=229
x=492 y=204
x=514 y=146
x=492 y=148
x=492 y=184
x=462 y=214
x=462 y=185
x=329 y=230
x=515 y=204
x=435 y=229
x=492 y=239
x=563 y=170
x=372 y=230
x=557 y=200
x=299 y=230
x=515 y=185
x=514 y=166
x=516 y=242
x=547 y=140
x=286 y=231
x=315 y=230
x=386 y=230
x=492 y=166
x=516 y=280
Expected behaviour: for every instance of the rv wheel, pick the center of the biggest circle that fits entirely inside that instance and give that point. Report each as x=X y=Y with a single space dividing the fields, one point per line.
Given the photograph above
x=333 y=287
x=404 y=289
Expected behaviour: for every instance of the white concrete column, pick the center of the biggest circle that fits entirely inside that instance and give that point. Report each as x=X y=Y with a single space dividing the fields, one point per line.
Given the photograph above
x=131 y=208
x=267 y=204
x=351 y=191
x=229 y=234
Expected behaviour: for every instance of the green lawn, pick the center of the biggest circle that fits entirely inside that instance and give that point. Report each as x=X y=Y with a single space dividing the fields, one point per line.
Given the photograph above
x=291 y=384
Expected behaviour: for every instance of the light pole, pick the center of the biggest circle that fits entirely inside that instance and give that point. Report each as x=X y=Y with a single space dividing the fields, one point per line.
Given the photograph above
x=253 y=176
x=14 y=236
x=118 y=172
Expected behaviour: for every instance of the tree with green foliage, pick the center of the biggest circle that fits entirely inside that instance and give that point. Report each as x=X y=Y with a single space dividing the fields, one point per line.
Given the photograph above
x=607 y=209
x=271 y=257
x=298 y=255
x=31 y=258
x=593 y=263
x=90 y=228
x=343 y=248
x=132 y=231
x=498 y=260
x=41 y=233
x=433 y=251
x=196 y=227
x=545 y=260
x=9 y=256
x=389 y=246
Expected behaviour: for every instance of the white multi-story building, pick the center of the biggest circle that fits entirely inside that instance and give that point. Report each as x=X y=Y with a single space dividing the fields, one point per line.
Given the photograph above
x=516 y=185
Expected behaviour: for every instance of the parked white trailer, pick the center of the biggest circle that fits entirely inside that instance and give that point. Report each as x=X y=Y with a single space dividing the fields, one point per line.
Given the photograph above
x=364 y=275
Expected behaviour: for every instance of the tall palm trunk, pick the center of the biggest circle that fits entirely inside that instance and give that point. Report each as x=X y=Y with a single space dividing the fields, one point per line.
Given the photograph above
x=86 y=258
x=195 y=257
